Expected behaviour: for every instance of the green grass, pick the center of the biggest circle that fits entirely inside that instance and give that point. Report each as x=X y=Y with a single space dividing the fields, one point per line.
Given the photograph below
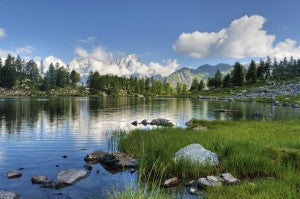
x=251 y=151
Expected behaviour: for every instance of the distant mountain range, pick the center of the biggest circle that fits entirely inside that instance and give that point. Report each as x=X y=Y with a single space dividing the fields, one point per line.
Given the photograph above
x=187 y=75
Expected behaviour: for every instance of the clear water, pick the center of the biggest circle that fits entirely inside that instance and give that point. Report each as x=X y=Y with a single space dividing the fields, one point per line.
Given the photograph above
x=36 y=132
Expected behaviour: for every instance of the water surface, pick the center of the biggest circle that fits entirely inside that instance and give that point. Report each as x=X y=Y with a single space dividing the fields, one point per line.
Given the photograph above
x=36 y=132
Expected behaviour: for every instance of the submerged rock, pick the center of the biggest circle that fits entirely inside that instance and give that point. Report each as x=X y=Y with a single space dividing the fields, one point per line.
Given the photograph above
x=88 y=167
x=118 y=160
x=171 y=182
x=196 y=154
x=13 y=174
x=229 y=179
x=96 y=156
x=161 y=122
x=112 y=161
x=256 y=115
x=209 y=181
x=69 y=176
x=39 y=179
x=7 y=195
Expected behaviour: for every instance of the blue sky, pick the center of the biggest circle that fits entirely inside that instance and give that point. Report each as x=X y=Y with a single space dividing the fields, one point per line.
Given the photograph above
x=146 y=28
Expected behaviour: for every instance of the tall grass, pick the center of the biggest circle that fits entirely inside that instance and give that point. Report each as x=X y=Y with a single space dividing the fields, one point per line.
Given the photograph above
x=250 y=150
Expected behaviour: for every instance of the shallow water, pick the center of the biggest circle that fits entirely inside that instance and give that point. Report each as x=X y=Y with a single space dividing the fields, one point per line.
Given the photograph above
x=36 y=132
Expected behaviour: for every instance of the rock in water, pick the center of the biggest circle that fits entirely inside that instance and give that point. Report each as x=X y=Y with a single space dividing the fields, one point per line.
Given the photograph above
x=191 y=121
x=209 y=181
x=194 y=190
x=39 y=179
x=13 y=174
x=229 y=179
x=134 y=123
x=7 y=195
x=69 y=176
x=118 y=160
x=144 y=122
x=196 y=153
x=171 y=182
x=161 y=122
x=96 y=156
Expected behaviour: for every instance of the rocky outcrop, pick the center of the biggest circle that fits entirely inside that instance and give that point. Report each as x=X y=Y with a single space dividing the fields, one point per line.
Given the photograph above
x=200 y=128
x=197 y=154
x=7 y=195
x=13 y=174
x=69 y=177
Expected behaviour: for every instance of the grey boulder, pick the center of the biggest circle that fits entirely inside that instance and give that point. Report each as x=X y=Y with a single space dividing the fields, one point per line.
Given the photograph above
x=209 y=181
x=69 y=177
x=197 y=154
x=96 y=156
x=229 y=179
x=39 y=179
x=7 y=195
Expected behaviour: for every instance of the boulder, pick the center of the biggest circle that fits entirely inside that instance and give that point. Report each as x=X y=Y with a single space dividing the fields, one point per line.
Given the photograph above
x=112 y=161
x=197 y=154
x=171 y=182
x=229 y=179
x=118 y=160
x=7 y=195
x=13 y=174
x=69 y=176
x=39 y=179
x=96 y=156
x=161 y=122
x=209 y=181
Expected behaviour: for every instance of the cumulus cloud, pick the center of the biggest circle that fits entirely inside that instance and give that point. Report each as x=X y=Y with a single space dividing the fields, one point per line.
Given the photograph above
x=2 y=32
x=244 y=37
x=25 y=50
x=99 y=59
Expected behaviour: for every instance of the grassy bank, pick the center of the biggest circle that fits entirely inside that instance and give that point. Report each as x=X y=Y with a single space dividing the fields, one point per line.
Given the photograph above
x=254 y=151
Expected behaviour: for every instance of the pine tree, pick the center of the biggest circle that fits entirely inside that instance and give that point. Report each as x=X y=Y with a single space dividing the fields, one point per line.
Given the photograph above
x=74 y=77
x=8 y=73
x=251 y=73
x=179 y=88
x=238 y=75
x=201 y=85
x=261 y=70
x=227 y=81
x=218 y=79
x=185 y=89
x=195 y=85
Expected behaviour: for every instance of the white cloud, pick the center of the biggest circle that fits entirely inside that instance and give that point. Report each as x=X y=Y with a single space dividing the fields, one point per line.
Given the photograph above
x=98 y=59
x=87 y=40
x=244 y=37
x=2 y=32
x=25 y=50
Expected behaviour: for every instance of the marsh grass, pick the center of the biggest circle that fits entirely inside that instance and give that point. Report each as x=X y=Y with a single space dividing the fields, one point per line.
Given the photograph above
x=251 y=151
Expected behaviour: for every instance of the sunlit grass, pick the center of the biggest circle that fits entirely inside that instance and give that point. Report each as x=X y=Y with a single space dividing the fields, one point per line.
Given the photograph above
x=251 y=151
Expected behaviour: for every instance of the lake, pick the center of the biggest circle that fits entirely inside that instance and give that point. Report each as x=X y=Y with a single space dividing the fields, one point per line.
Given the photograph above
x=36 y=132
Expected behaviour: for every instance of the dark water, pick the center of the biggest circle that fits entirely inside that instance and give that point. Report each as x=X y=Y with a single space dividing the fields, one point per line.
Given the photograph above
x=36 y=133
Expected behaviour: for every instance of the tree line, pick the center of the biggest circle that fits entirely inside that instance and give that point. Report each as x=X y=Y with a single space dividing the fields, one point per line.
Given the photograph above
x=264 y=70
x=14 y=71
